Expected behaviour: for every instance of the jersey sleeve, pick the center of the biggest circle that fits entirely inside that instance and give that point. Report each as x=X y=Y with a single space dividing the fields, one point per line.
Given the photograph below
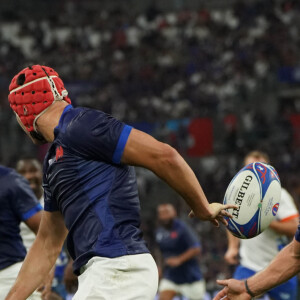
x=49 y=201
x=98 y=136
x=287 y=208
x=190 y=238
x=297 y=235
x=24 y=203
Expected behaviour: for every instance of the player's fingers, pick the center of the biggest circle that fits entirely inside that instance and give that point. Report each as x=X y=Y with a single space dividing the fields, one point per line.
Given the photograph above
x=225 y=213
x=223 y=221
x=191 y=214
x=232 y=260
x=221 y=295
x=227 y=206
x=215 y=222
x=224 y=282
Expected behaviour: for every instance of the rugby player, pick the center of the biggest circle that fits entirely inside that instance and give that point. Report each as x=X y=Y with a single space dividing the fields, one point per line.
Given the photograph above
x=90 y=192
x=180 y=247
x=255 y=254
x=31 y=169
x=18 y=203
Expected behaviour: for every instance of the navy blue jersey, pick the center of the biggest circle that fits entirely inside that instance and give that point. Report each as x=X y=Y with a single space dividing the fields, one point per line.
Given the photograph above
x=84 y=180
x=175 y=242
x=297 y=235
x=18 y=203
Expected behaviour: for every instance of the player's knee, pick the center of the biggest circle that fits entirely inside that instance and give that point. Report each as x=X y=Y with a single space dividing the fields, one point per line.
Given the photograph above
x=167 y=295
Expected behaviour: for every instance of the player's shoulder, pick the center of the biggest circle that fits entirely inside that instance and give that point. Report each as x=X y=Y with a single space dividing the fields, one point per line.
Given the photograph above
x=10 y=179
x=8 y=174
x=180 y=225
x=76 y=120
x=6 y=179
x=4 y=170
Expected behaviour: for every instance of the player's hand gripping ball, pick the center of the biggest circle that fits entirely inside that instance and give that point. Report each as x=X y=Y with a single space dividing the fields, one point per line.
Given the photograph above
x=256 y=190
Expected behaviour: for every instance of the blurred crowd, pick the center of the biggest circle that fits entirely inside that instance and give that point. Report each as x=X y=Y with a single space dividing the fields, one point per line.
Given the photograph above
x=173 y=64
x=158 y=66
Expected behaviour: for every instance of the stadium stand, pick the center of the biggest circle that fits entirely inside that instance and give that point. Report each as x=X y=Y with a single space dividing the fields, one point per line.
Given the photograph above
x=171 y=70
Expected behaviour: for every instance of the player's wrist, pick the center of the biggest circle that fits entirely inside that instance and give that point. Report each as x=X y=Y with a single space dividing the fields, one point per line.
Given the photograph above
x=273 y=224
x=208 y=213
x=179 y=259
x=248 y=290
x=204 y=213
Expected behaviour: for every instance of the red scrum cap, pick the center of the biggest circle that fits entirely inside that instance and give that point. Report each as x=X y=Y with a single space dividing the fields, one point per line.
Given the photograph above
x=32 y=91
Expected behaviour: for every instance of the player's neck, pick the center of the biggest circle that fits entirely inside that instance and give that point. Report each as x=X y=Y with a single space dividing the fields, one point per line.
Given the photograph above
x=50 y=119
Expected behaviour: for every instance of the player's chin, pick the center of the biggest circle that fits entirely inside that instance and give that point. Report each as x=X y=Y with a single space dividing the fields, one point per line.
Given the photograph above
x=38 y=142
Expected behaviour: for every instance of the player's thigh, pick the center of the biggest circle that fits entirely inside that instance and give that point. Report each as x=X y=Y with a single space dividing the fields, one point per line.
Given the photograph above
x=123 y=278
x=193 y=291
x=7 y=278
x=167 y=289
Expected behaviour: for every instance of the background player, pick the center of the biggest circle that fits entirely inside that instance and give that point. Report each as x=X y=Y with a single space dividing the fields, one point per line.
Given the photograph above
x=267 y=245
x=31 y=169
x=180 y=247
x=18 y=204
x=91 y=191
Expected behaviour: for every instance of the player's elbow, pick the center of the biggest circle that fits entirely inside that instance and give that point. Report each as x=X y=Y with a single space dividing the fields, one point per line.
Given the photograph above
x=53 y=252
x=168 y=157
x=197 y=250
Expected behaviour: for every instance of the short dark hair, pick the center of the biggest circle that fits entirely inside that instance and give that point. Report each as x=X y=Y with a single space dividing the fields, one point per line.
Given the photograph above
x=257 y=154
x=28 y=158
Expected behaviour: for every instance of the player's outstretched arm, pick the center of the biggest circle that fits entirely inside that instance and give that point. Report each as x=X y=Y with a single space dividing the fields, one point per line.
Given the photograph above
x=143 y=150
x=284 y=266
x=41 y=256
x=34 y=222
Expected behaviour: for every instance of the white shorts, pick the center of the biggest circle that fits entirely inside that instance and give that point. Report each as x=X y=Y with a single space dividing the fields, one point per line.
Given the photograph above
x=193 y=291
x=129 y=277
x=8 y=277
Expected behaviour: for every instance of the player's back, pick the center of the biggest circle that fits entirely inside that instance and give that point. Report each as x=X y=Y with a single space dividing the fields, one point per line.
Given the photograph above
x=96 y=194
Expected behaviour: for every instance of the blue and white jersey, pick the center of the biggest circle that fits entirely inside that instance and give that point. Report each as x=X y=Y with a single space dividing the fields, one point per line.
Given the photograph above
x=18 y=203
x=97 y=196
x=174 y=242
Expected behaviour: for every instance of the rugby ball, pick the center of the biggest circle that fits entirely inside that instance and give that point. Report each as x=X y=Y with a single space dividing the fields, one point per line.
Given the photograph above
x=256 y=191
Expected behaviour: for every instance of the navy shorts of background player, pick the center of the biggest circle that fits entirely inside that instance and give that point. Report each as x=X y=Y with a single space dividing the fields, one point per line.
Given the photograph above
x=97 y=196
x=174 y=242
x=18 y=203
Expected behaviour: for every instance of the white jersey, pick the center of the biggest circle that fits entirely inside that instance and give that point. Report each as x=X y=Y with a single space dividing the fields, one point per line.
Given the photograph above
x=258 y=252
x=27 y=235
